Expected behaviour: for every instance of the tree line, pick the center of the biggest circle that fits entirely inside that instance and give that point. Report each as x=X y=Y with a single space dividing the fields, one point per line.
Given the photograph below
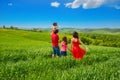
x=100 y=39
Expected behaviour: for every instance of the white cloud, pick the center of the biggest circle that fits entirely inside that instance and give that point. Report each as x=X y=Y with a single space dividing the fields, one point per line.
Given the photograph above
x=10 y=4
x=68 y=5
x=93 y=3
x=117 y=7
x=113 y=3
x=74 y=4
x=55 y=4
x=86 y=4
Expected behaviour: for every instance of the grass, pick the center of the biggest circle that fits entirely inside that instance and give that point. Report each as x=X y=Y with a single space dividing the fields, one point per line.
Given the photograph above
x=26 y=55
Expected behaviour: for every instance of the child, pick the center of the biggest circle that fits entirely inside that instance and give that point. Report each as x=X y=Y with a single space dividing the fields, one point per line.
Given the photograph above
x=54 y=27
x=64 y=46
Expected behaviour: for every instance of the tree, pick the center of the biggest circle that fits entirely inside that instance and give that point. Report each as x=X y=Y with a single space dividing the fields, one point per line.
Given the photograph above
x=4 y=27
x=11 y=27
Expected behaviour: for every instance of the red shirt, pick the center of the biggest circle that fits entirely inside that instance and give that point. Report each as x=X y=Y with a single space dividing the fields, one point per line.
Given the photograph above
x=55 y=39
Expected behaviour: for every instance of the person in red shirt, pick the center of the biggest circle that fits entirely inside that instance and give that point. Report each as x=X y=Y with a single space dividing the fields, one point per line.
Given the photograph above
x=55 y=45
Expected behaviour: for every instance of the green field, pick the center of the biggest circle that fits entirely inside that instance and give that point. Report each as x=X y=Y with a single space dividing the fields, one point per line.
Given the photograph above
x=26 y=55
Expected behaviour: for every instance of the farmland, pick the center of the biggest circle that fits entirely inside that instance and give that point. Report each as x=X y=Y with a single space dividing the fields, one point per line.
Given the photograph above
x=26 y=55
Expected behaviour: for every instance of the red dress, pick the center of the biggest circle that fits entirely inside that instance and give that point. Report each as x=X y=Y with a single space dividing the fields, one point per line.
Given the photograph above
x=77 y=52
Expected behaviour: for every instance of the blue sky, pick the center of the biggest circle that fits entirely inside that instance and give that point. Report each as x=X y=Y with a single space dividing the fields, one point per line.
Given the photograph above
x=67 y=13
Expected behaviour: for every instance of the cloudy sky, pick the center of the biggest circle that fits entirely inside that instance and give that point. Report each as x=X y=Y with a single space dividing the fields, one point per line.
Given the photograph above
x=67 y=13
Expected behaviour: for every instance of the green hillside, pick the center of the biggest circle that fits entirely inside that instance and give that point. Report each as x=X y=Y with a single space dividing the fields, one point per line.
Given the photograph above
x=88 y=30
x=26 y=55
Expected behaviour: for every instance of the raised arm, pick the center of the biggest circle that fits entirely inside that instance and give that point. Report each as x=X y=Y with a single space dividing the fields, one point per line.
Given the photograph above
x=81 y=42
x=71 y=44
x=86 y=48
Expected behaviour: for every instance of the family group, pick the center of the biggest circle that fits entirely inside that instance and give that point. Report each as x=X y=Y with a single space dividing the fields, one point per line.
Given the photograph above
x=75 y=49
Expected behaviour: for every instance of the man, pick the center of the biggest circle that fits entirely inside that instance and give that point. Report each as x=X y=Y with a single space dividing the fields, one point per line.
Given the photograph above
x=55 y=41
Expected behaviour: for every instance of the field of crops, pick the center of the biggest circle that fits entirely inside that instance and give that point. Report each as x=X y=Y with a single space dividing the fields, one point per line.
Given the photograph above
x=26 y=55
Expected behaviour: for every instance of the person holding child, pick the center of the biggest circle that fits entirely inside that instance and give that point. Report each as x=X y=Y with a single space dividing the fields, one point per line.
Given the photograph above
x=55 y=43
x=77 y=51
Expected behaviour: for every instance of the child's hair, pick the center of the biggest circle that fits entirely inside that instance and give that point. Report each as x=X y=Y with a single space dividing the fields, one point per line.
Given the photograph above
x=75 y=34
x=65 y=39
x=56 y=31
x=54 y=24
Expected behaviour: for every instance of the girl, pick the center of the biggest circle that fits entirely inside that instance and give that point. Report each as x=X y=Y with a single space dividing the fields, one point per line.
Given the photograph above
x=64 y=46
x=77 y=52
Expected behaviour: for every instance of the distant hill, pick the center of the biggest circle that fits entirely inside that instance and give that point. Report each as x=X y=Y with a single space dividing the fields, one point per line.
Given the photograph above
x=70 y=30
x=102 y=30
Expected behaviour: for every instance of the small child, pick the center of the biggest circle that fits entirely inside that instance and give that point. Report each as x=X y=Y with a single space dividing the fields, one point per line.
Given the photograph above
x=64 y=46
x=54 y=27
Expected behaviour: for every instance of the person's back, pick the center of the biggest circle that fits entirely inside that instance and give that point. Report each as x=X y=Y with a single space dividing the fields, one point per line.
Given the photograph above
x=63 y=46
x=75 y=42
x=77 y=52
x=55 y=41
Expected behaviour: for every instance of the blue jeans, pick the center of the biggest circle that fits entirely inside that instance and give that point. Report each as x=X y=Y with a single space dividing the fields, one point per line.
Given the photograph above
x=56 y=50
x=63 y=53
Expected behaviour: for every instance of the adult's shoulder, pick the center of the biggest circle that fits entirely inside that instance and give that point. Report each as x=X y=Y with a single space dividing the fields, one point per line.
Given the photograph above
x=75 y=39
x=72 y=39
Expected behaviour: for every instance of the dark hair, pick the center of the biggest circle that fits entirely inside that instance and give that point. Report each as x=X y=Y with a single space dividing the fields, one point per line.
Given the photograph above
x=75 y=34
x=56 y=31
x=65 y=39
x=54 y=24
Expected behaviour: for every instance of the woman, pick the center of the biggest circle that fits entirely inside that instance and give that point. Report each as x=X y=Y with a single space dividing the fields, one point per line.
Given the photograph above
x=77 y=52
